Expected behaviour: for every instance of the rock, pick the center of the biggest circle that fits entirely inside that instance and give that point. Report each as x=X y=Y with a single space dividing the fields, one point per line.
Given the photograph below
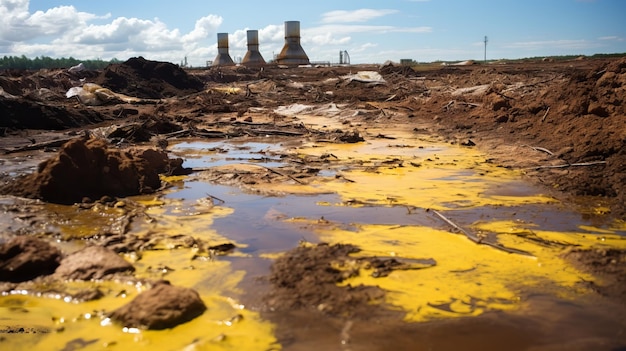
x=24 y=258
x=164 y=306
x=502 y=119
x=469 y=143
x=351 y=137
x=92 y=262
x=500 y=104
x=597 y=109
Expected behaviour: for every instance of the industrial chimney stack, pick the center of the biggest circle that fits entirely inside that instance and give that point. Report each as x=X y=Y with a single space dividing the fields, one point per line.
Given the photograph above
x=253 y=57
x=292 y=53
x=223 y=57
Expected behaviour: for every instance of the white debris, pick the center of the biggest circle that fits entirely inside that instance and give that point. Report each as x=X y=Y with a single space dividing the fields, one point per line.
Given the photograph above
x=79 y=67
x=371 y=77
x=293 y=109
x=93 y=95
x=475 y=90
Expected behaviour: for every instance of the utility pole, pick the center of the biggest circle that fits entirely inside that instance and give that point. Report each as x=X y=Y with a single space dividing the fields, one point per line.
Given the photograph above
x=486 y=49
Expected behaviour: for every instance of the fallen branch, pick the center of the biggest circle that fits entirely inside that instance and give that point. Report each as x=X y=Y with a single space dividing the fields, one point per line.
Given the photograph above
x=215 y=198
x=275 y=132
x=469 y=235
x=391 y=98
x=478 y=240
x=281 y=174
x=468 y=104
x=545 y=114
x=537 y=148
x=39 y=146
x=582 y=164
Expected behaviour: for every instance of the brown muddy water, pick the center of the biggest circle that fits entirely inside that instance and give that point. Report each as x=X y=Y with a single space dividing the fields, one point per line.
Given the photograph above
x=476 y=297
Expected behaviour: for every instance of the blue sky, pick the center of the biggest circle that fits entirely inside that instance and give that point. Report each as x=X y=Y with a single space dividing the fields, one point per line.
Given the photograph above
x=371 y=31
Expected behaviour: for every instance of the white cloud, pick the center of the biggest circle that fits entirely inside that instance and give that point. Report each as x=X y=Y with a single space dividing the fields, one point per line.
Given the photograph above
x=611 y=38
x=63 y=31
x=361 y=15
x=20 y=25
x=204 y=27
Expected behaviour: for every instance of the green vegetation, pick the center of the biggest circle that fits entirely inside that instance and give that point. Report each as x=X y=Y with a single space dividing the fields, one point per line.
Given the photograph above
x=42 y=62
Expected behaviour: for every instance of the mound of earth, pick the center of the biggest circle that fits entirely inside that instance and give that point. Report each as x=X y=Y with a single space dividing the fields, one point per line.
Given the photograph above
x=36 y=100
x=87 y=169
x=572 y=114
x=306 y=278
x=147 y=79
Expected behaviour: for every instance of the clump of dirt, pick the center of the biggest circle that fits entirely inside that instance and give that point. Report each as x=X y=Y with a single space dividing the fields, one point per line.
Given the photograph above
x=607 y=264
x=307 y=277
x=162 y=307
x=146 y=129
x=87 y=169
x=147 y=79
x=23 y=258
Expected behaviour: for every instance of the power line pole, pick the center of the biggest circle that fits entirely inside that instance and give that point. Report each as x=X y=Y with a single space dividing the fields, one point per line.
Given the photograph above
x=486 y=49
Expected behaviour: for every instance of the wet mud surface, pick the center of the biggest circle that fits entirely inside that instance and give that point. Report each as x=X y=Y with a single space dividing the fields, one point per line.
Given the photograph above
x=300 y=132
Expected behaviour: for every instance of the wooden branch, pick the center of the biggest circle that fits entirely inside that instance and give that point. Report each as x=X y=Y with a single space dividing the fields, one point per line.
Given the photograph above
x=545 y=114
x=537 y=148
x=469 y=235
x=582 y=164
x=448 y=105
x=39 y=146
x=281 y=174
x=478 y=240
x=468 y=104
x=215 y=198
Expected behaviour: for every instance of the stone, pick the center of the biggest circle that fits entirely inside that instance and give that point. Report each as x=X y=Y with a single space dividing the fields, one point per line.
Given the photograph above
x=92 y=262
x=162 y=307
x=24 y=258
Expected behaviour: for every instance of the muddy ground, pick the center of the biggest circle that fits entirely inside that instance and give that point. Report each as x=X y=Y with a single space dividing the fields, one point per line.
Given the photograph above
x=561 y=122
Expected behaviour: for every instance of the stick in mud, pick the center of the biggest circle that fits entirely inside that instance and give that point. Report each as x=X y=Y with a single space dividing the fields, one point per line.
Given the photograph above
x=478 y=240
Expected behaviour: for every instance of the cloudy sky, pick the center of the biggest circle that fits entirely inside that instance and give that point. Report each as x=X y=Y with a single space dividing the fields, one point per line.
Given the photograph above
x=372 y=31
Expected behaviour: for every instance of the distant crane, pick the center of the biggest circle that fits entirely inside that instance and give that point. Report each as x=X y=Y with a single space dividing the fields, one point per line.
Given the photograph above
x=486 y=48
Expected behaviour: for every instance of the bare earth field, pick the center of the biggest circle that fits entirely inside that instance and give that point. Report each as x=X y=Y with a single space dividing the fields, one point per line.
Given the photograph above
x=562 y=123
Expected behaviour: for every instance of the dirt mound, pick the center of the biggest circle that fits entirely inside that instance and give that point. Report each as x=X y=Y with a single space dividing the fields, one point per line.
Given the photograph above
x=28 y=114
x=307 y=278
x=146 y=79
x=88 y=169
x=36 y=100
x=574 y=112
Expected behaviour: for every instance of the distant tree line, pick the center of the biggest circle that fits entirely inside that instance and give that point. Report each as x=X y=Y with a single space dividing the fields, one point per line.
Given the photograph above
x=42 y=62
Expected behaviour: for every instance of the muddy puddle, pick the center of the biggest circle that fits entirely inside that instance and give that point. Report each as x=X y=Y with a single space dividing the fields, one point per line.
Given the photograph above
x=494 y=277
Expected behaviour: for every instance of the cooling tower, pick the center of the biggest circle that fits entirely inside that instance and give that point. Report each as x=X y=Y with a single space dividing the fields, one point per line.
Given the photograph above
x=223 y=57
x=292 y=53
x=253 y=57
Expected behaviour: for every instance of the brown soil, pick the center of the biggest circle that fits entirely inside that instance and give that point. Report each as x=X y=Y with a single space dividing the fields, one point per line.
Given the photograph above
x=87 y=169
x=562 y=122
x=545 y=117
